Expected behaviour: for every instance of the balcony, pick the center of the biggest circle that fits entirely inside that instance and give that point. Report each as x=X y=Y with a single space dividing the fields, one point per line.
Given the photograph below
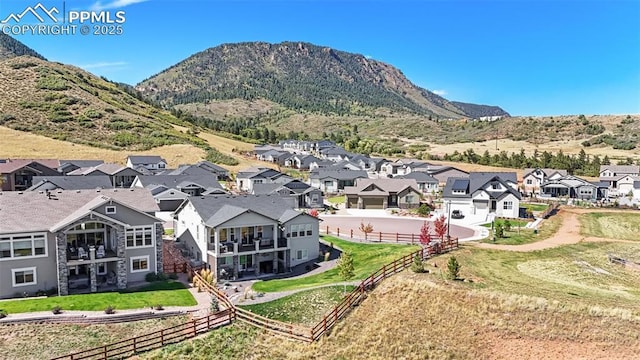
x=266 y=244
x=283 y=242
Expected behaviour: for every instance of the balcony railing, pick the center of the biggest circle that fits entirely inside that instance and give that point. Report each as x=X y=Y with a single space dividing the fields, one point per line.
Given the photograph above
x=283 y=242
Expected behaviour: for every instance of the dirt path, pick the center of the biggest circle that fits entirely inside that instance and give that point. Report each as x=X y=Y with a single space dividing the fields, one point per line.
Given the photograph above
x=567 y=234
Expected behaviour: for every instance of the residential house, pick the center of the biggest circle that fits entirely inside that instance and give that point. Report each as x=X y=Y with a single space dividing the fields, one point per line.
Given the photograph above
x=573 y=187
x=443 y=173
x=335 y=154
x=67 y=166
x=301 y=162
x=320 y=164
x=427 y=184
x=17 y=174
x=334 y=181
x=382 y=194
x=306 y=195
x=612 y=174
x=171 y=190
x=403 y=167
x=245 y=179
x=43 y=183
x=345 y=165
x=77 y=241
x=482 y=194
x=200 y=168
x=247 y=235
x=533 y=179
x=297 y=146
x=120 y=176
x=152 y=163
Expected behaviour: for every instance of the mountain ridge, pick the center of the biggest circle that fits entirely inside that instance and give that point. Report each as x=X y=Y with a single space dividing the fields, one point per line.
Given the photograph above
x=10 y=48
x=299 y=76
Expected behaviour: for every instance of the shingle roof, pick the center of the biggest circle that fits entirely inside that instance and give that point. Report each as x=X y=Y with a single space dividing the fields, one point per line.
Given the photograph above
x=386 y=186
x=547 y=171
x=82 y=163
x=208 y=181
x=34 y=211
x=145 y=159
x=322 y=173
x=218 y=209
x=621 y=169
x=419 y=176
x=70 y=182
x=106 y=168
x=10 y=165
x=477 y=180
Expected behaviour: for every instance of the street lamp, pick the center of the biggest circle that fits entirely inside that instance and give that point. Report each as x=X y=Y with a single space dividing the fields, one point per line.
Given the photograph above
x=449 y=221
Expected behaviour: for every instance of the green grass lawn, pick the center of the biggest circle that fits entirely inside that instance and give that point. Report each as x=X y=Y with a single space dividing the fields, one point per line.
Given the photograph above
x=534 y=207
x=165 y=293
x=305 y=307
x=367 y=258
x=336 y=200
x=578 y=273
x=514 y=237
x=624 y=226
x=514 y=223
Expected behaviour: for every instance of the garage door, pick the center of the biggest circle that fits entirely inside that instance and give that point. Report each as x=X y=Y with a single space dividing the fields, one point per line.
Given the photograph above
x=352 y=202
x=373 y=203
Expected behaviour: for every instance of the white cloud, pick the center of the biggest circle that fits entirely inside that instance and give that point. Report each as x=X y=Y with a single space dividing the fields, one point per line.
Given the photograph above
x=104 y=64
x=439 y=92
x=115 y=4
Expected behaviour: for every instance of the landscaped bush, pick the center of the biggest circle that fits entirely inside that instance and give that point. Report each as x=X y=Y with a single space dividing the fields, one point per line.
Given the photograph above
x=418 y=265
x=56 y=310
x=453 y=268
x=110 y=310
x=151 y=277
x=3 y=314
x=173 y=276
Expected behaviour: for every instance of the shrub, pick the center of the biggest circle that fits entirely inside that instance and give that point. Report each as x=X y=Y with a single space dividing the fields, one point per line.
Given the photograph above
x=173 y=276
x=423 y=210
x=110 y=310
x=499 y=231
x=3 y=314
x=151 y=277
x=215 y=306
x=159 y=307
x=56 y=310
x=507 y=225
x=453 y=268
x=418 y=265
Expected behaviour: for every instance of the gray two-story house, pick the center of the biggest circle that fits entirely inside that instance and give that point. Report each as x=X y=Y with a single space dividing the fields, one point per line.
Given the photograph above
x=77 y=241
x=247 y=235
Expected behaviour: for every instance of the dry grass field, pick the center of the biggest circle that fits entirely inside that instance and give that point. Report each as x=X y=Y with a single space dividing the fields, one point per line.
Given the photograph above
x=35 y=341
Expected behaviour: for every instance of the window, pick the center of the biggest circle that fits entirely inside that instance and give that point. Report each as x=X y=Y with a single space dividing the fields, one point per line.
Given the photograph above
x=529 y=181
x=458 y=191
x=23 y=246
x=225 y=261
x=302 y=254
x=294 y=230
x=507 y=205
x=139 y=264
x=110 y=210
x=23 y=277
x=309 y=228
x=408 y=199
x=259 y=232
x=314 y=198
x=328 y=183
x=102 y=268
x=495 y=186
x=139 y=236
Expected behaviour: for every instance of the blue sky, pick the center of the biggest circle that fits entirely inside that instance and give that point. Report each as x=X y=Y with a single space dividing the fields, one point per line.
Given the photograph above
x=529 y=57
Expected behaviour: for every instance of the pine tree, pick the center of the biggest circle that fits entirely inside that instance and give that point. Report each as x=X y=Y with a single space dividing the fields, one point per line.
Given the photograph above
x=453 y=268
x=345 y=268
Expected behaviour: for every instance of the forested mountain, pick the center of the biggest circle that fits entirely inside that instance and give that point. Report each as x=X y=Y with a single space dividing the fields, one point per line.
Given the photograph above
x=298 y=76
x=10 y=47
x=477 y=111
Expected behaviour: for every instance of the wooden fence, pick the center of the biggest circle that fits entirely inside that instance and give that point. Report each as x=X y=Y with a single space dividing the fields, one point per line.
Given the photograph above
x=190 y=329
x=360 y=292
x=375 y=236
x=154 y=340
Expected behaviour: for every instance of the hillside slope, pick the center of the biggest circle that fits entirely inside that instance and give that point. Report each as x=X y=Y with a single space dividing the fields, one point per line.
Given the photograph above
x=10 y=47
x=298 y=76
x=67 y=103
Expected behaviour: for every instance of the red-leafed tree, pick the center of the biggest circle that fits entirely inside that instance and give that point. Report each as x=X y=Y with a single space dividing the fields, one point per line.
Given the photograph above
x=425 y=234
x=313 y=212
x=441 y=226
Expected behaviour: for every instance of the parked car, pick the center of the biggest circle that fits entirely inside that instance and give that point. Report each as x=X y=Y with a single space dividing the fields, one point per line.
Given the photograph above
x=456 y=214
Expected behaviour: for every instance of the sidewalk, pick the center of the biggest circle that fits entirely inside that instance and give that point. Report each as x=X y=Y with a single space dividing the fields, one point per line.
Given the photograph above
x=203 y=300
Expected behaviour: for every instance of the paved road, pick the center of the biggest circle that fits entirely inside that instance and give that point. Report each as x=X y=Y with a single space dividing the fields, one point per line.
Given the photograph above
x=403 y=225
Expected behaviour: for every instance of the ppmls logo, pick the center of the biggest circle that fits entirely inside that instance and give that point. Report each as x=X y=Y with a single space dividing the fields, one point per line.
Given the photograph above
x=48 y=22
